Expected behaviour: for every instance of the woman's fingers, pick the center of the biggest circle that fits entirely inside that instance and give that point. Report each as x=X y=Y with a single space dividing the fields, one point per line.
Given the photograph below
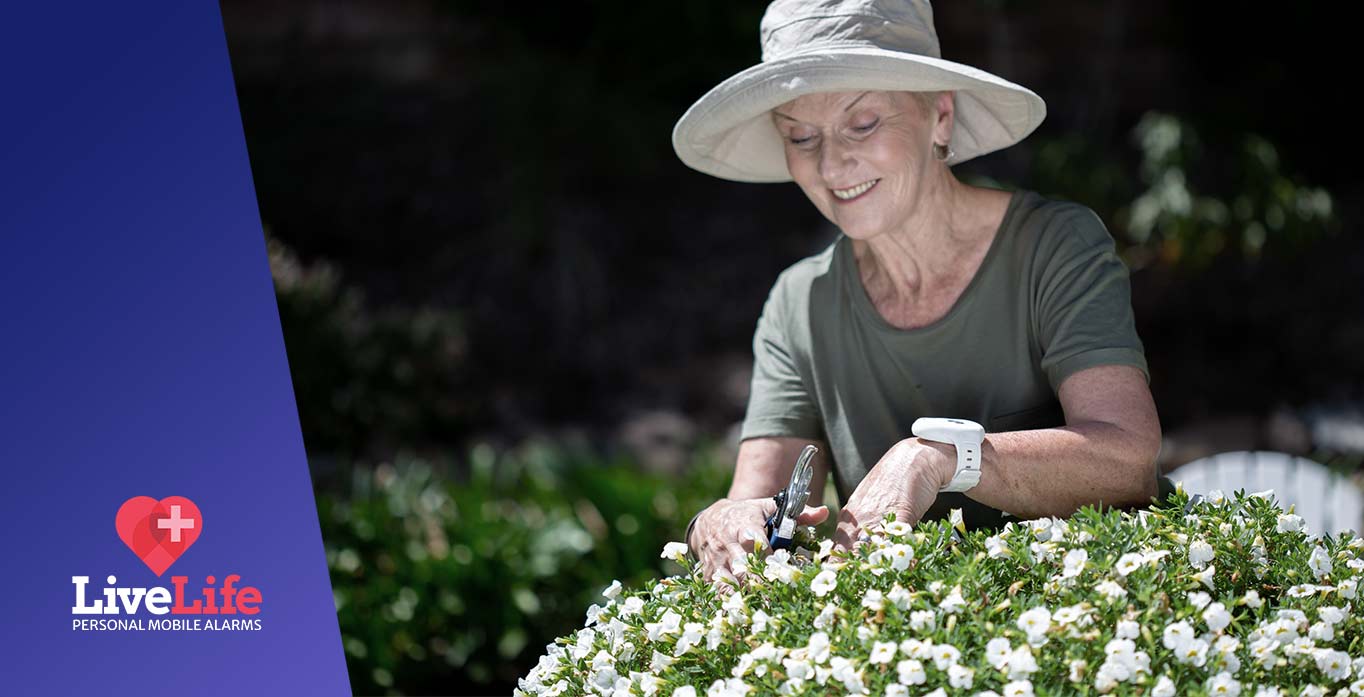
x=813 y=515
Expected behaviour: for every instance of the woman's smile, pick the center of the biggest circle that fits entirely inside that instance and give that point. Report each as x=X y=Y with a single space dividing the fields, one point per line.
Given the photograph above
x=850 y=194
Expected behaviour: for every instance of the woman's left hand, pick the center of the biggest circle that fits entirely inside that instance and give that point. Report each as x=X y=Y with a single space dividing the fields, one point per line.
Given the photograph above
x=905 y=482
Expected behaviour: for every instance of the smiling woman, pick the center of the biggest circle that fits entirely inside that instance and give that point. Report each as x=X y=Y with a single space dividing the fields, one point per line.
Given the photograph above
x=1001 y=310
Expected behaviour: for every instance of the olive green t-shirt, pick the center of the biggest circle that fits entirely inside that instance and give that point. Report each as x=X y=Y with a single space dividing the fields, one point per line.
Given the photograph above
x=1050 y=298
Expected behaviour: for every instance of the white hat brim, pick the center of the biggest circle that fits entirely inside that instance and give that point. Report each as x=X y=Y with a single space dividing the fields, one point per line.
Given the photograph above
x=728 y=132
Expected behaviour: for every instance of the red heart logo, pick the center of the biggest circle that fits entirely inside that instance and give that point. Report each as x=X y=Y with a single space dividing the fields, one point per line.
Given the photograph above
x=158 y=532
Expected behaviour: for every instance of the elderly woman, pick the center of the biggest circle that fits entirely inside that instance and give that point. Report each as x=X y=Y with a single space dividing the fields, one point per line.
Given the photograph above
x=1005 y=312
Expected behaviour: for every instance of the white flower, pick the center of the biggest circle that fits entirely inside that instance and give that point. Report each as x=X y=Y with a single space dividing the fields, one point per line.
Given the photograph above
x=914 y=648
x=843 y=671
x=1035 y=623
x=1319 y=562
x=825 y=619
x=760 y=620
x=995 y=547
x=612 y=590
x=684 y=691
x=1018 y=688
x=823 y=583
x=1177 y=635
x=798 y=669
x=1128 y=563
x=668 y=624
x=1194 y=652
x=1347 y=588
x=1073 y=563
x=1334 y=664
x=945 y=655
x=873 y=600
x=1290 y=523
x=997 y=652
x=604 y=680
x=939 y=692
x=1111 y=590
x=899 y=597
x=818 y=647
x=825 y=548
x=1068 y=614
x=1127 y=629
x=660 y=661
x=1165 y=687
x=1252 y=599
x=1302 y=590
x=953 y=602
x=895 y=689
x=691 y=635
x=1021 y=663
x=1313 y=691
x=1205 y=576
x=898 y=528
x=1223 y=685
x=1331 y=614
x=1217 y=617
x=648 y=682
x=677 y=551
x=1200 y=553
x=960 y=676
x=911 y=672
x=900 y=556
x=778 y=567
x=632 y=606
x=1262 y=651
x=1199 y=599
x=1077 y=670
x=882 y=652
x=1321 y=631
x=920 y=620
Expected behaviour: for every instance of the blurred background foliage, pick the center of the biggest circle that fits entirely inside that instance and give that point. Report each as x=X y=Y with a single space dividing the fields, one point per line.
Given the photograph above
x=519 y=328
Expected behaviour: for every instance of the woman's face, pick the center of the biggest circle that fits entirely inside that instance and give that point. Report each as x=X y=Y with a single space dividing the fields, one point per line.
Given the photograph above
x=861 y=157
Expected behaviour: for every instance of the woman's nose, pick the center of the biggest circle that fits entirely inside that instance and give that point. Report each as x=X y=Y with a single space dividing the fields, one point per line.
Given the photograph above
x=835 y=160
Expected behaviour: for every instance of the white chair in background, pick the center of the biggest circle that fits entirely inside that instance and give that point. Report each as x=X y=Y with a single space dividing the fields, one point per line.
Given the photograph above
x=1327 y=501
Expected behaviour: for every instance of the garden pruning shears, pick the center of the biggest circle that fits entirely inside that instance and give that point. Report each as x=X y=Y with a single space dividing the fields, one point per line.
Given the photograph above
x=781 y=526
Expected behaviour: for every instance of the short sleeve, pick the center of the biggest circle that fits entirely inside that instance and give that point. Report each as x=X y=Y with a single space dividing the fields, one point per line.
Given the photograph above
x=779 y=401
x=1084 y=300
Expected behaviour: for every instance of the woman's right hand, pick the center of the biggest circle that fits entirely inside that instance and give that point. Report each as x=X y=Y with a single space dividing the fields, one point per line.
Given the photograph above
x=725 y=531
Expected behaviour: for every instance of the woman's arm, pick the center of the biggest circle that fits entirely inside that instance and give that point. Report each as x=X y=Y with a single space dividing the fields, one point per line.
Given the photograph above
x=1106 y=453
x=764 y=467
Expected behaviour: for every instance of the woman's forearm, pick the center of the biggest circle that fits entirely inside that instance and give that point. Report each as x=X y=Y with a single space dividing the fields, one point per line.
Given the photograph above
x=1055 y=471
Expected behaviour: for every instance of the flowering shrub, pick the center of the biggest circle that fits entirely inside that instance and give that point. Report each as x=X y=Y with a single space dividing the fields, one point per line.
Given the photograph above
x=1226 y=596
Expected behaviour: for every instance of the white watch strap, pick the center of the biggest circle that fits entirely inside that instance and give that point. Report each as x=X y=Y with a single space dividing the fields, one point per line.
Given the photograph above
x=968 y=467
x=966 y=436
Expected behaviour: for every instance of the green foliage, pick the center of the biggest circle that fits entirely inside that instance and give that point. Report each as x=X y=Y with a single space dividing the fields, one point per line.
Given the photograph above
x=1259 y=209
x=1228 y=596
x=366 y=379
x=445 y=584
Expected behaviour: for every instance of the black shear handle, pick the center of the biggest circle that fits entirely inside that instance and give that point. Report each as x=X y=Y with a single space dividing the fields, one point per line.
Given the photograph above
x=773 y=524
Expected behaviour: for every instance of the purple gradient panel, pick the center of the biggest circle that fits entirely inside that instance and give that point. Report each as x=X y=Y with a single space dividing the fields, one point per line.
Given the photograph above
x=141 y=354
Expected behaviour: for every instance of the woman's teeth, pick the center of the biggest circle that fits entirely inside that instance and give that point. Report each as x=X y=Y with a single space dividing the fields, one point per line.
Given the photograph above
x=856 y=191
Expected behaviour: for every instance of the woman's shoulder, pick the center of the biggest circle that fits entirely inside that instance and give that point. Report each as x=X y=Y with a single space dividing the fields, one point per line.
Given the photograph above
x=796 y=281
x=1050 y=224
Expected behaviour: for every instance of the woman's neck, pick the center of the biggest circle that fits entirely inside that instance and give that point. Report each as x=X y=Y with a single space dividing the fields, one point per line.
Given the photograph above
x=926 y=253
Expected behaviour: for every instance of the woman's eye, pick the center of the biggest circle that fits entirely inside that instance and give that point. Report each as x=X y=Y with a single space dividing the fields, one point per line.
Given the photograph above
x=864 y=129
x=800 y=141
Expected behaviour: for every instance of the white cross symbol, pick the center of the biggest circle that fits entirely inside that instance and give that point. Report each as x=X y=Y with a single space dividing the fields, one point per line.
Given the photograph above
x=175 y=523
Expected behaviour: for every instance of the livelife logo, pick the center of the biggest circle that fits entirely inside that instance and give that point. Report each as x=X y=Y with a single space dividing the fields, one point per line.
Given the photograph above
x=159 y=532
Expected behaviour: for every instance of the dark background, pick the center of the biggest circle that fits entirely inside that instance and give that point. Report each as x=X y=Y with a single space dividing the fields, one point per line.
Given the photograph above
x=486 y=251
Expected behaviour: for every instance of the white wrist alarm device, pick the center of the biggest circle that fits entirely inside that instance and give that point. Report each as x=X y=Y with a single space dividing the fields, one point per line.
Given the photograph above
x=966 y=436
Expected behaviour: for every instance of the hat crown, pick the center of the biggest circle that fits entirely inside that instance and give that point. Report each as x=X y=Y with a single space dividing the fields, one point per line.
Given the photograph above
x=791 y=27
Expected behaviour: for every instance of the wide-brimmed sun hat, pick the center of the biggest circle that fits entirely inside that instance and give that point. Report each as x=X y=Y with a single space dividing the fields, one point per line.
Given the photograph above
x=841 y=46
